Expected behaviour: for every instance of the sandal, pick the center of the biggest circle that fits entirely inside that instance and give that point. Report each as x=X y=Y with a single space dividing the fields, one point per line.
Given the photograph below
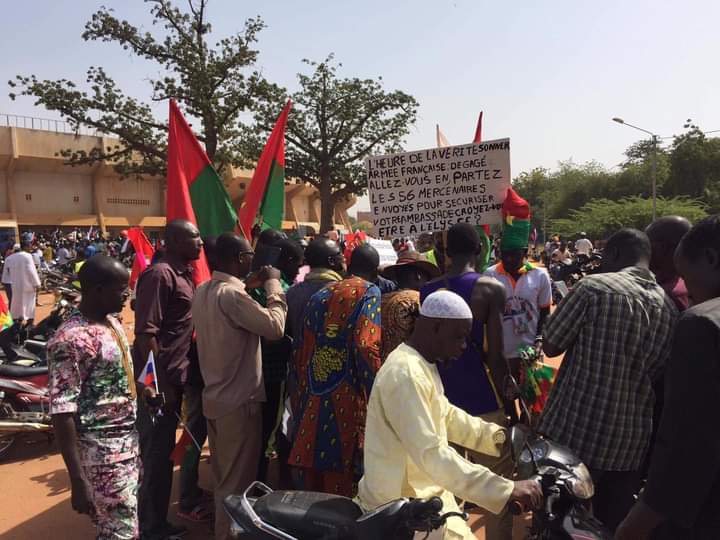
x=199 y=514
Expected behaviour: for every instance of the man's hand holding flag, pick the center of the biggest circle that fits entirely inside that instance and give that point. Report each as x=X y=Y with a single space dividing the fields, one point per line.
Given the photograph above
x=155 y=400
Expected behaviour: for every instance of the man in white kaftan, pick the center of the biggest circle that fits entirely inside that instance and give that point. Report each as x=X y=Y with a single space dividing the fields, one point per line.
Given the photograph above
x=24 y=279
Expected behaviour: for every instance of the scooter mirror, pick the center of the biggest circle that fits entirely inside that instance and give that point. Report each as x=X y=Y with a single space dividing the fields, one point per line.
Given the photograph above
x=519 y=434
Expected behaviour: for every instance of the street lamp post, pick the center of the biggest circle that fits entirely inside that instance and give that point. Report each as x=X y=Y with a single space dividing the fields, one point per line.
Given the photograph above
x=653 y=163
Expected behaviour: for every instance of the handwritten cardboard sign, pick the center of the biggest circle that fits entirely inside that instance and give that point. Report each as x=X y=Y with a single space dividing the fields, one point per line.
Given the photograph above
x=430 y=190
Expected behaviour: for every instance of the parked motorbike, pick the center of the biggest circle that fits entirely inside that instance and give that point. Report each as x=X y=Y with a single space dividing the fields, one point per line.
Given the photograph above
x=27 y=345
x=24 y=403
x=566 y=274
x=304 y=515
x=566 y=484
x=56 y=275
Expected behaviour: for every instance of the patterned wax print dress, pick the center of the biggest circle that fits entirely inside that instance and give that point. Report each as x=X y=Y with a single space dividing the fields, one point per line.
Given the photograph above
x=335 y=363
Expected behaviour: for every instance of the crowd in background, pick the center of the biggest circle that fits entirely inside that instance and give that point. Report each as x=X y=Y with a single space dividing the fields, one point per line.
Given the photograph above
x=337 y=368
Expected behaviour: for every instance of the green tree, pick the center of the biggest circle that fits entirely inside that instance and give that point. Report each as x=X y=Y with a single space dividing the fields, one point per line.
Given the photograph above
x=602 y=217
x=635 y=177
x=213 y=83
x=695 y=167
x=335 y=123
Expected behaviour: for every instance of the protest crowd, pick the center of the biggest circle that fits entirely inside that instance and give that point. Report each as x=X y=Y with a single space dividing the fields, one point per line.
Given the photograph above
x=384 y=381
x=373 y=376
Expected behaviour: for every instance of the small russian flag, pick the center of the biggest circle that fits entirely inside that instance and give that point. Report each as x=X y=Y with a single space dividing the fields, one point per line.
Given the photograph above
x=147 y=375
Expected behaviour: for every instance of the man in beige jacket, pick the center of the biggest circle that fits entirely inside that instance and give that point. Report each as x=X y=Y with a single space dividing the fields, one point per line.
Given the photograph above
x=229 y=324
x=410 y=421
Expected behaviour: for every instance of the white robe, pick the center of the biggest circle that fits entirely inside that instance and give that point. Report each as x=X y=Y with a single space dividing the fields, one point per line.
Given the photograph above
x=24 y=279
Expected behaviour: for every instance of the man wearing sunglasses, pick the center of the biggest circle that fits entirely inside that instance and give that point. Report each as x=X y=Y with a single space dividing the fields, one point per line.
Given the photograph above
x=229 y=325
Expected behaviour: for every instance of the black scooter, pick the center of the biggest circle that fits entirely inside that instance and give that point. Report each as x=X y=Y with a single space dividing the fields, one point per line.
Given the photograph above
x=566 y=484
x=304 y=515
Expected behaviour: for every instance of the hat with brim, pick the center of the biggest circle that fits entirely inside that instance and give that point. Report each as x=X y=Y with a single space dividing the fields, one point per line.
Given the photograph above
x=411 y=258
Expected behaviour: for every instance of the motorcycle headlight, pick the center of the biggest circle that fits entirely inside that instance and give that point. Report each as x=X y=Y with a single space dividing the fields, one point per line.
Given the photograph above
x=580 y=482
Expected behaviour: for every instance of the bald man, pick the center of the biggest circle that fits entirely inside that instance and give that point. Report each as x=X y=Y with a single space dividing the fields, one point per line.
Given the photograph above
x=665 y=234
x=92 y=402
x=410 y=424
x=163 y=325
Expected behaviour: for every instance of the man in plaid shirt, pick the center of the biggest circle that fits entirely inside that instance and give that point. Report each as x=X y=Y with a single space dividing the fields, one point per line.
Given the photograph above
x=615 y=329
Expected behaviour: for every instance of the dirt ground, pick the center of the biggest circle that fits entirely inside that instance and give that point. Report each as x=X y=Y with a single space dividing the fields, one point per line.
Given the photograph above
x=35 y=489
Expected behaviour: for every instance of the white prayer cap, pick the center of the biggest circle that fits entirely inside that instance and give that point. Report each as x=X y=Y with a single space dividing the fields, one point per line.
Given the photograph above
x=445 y=304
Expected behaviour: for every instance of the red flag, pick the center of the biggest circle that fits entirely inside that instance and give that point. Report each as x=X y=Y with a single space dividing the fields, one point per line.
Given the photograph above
x=478 y=140
x=478 y=130
x=184 y=163
x=144 y=252
x=272 y=154
x=353 y=240
x=184 y=444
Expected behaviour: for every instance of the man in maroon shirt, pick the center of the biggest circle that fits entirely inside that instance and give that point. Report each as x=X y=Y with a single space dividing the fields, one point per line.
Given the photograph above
x=163 y=325
x=665 y=234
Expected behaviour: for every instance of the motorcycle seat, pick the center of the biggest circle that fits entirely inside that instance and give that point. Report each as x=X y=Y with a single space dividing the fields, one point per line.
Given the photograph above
x=309 y=515
x=18 y=372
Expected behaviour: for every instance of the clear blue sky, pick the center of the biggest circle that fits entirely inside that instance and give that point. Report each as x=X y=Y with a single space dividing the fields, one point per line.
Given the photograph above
x=550 y=75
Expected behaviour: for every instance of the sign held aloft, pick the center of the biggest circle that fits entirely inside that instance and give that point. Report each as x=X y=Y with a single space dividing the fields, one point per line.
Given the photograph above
x=430 y=190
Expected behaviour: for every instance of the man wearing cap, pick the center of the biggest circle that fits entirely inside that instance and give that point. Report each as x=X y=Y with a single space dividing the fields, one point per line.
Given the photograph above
x=528 y=288
x=400 y=308
x=474 y=381
x=583 y=247
x=410 y=424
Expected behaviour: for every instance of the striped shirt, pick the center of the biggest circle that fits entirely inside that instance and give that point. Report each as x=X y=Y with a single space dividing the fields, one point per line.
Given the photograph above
x=617 y=330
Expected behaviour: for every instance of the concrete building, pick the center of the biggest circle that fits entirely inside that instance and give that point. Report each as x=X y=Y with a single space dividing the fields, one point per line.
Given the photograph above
x=38 y=190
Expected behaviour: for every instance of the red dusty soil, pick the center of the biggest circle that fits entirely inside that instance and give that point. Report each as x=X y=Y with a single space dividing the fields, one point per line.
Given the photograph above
x=35 y=489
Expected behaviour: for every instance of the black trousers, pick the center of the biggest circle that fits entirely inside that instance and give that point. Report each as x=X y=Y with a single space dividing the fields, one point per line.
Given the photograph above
x=190 y=491
x=157 y=441
x=614 y=495
x=669 y=531
x=8 y=292
x=270 y=409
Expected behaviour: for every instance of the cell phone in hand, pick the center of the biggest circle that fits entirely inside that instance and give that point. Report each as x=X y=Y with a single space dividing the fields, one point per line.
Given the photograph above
x=265 y=256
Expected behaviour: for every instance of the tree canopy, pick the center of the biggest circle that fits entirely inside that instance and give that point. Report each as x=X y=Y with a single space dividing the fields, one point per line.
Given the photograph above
x=584 y=196
x=599 y=218
x=213 y=83
x=335 y=123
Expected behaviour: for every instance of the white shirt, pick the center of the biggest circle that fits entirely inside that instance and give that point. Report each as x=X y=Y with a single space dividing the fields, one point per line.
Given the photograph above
x=584 y=247
x=525 y=298
x=562 y=256
x=409 y=424
x=24 y=279
x=63 y=255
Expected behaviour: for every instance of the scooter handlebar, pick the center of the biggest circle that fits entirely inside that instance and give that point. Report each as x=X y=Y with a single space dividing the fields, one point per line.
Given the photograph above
x=422 y=509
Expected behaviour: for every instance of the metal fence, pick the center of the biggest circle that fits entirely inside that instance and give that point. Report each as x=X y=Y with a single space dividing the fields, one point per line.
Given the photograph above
x=45 y=124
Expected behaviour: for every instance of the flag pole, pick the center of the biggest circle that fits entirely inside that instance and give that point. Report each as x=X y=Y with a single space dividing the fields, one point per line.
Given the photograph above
x=151 y=356
x=182 y=424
